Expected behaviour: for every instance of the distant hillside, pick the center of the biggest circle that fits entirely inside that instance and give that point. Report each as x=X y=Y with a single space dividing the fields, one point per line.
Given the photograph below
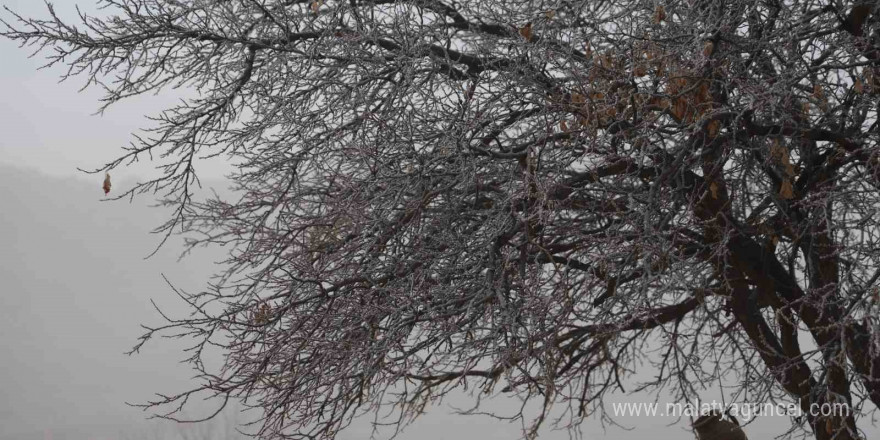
x=75 y=288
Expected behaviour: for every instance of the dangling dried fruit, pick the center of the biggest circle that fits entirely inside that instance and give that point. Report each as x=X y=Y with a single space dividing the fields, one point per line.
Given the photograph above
x=659 y=14
x=106 y=183
x=316 y=4
x=713 y=188
x=526 y=31
x=563 y=126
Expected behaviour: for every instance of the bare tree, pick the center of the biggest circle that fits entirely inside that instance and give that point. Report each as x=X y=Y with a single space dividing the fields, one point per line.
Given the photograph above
x=712 y=427
x=436 y=193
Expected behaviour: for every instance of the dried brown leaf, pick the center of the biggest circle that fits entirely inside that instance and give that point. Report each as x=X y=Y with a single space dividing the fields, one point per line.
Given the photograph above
x=526 y=32
x=713 y=128
x=708 y=48
x=659 y=14
x=639 y=70
x=818 y=92
x=786 y=191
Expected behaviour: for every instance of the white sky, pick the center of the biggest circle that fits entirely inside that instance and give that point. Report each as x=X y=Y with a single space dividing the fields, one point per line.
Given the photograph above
x=52 y=126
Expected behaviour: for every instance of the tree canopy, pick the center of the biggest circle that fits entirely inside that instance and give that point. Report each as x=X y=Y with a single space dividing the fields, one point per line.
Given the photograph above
x=533 y=197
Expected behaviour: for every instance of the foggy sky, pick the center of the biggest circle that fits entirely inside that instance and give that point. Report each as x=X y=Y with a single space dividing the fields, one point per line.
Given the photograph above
x=51 y=126
x=74 y=284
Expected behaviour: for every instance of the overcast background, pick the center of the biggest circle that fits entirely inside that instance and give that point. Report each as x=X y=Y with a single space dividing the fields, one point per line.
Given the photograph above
x=74 y=284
